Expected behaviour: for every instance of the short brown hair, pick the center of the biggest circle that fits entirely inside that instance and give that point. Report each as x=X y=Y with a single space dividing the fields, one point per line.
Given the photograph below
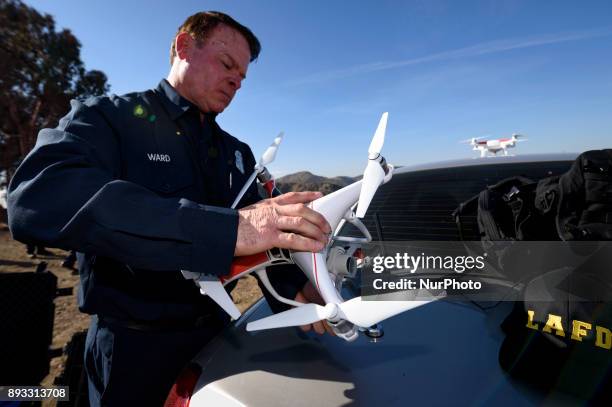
x=200 y=24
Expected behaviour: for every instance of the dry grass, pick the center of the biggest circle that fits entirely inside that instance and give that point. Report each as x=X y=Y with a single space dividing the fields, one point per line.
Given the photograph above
x=68 y=319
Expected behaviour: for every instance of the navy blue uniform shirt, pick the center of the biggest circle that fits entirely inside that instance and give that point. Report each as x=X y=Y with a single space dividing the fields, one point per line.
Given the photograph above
x=142 y=186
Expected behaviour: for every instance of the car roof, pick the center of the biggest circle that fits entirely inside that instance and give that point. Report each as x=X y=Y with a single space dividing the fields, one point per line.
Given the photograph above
x=495 y=160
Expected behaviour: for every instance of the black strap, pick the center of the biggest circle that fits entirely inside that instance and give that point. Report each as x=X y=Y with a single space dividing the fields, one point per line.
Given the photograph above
x=468 y=206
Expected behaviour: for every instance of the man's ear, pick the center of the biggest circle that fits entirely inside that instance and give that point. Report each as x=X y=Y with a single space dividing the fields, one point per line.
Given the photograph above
x=183 y=44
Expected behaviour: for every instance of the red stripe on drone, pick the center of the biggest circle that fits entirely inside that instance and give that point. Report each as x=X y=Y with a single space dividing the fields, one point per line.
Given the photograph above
x=244 y=263
x=269 y=186
x=314 y=261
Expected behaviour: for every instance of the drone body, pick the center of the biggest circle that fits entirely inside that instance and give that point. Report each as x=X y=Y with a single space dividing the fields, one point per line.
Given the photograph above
x=345 y=316
x=494 y=146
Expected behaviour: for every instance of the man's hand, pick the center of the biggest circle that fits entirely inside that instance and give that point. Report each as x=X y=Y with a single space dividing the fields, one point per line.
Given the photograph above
x=284 y=221
x=310 y=295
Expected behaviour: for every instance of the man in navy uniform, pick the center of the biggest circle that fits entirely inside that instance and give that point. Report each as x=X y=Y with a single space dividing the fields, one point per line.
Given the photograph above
x=141 y=185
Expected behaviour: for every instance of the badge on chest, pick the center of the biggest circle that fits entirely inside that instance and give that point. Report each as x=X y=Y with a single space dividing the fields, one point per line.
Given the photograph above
x=239 y=161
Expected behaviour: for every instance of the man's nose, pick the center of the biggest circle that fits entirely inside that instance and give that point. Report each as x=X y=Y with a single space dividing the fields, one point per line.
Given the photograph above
x=235 y=81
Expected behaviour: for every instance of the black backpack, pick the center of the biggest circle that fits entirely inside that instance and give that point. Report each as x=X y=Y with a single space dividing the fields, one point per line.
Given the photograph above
x=575 y=206
x=515 y=208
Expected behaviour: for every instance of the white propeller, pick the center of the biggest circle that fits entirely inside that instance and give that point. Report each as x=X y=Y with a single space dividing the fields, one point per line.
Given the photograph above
x=270 y=153
x=359 y=312
x=374 y=174
x=302 y=315
x=266 y=158
x=471 y=140
x=367 y=313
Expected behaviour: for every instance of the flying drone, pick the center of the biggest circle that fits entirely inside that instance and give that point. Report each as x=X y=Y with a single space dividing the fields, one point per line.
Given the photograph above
x=494 y=145
x=325 y=269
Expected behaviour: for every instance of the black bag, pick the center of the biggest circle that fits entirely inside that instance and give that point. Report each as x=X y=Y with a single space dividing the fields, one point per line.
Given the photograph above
x=575 y=206
x=515 y=208
x=534 y=350
x=555 y=338
x=26 y=326
x=585 y=208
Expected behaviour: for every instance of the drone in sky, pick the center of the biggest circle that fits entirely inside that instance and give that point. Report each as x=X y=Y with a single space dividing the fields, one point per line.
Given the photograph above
x=494 y=146
x=325 y=269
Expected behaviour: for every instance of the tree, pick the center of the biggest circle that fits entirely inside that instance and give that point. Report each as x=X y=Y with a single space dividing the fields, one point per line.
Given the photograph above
x=40 y=71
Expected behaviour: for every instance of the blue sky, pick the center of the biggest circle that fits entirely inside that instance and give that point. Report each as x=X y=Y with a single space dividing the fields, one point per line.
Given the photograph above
x=444 y=70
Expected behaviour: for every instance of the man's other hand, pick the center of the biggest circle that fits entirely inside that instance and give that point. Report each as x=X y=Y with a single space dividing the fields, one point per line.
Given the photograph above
x=310 y=295
x=285 y=221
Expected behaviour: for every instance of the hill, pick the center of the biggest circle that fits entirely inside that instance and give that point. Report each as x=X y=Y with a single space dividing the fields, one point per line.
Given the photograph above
x=306 y=181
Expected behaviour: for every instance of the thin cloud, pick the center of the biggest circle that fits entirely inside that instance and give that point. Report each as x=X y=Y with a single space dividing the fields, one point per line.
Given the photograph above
x=485 y=48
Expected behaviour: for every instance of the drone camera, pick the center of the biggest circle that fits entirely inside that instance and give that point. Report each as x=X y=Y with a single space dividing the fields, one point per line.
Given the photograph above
x=341 y=263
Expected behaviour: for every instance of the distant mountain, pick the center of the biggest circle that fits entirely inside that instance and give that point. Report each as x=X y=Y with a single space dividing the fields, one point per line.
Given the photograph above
x=306 y=181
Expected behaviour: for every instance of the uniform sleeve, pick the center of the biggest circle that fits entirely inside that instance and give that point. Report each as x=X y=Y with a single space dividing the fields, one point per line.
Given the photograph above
x=67 y=193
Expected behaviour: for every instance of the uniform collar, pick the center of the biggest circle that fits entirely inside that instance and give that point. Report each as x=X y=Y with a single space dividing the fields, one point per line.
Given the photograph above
x=174 y=103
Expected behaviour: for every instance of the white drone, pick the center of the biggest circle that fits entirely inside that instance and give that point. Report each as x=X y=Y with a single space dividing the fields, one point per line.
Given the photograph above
x=494 y=146
x=325 y=269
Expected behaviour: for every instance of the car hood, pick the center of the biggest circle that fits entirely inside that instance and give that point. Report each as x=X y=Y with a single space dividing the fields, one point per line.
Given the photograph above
x=439 y=354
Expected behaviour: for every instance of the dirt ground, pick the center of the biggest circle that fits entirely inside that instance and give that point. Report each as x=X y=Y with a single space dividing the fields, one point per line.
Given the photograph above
x=68 y=319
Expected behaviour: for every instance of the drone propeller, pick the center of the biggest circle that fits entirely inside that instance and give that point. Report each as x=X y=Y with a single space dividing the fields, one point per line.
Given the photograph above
x=270 y=153
x=367 y=313
x=359 y=312
x=515 y=138
x=471 y=140
x=303 y=315
x=266 y=158
x=374 y=173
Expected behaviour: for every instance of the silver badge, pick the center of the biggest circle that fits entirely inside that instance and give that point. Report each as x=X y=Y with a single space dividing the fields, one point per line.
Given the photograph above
x=239 y=163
